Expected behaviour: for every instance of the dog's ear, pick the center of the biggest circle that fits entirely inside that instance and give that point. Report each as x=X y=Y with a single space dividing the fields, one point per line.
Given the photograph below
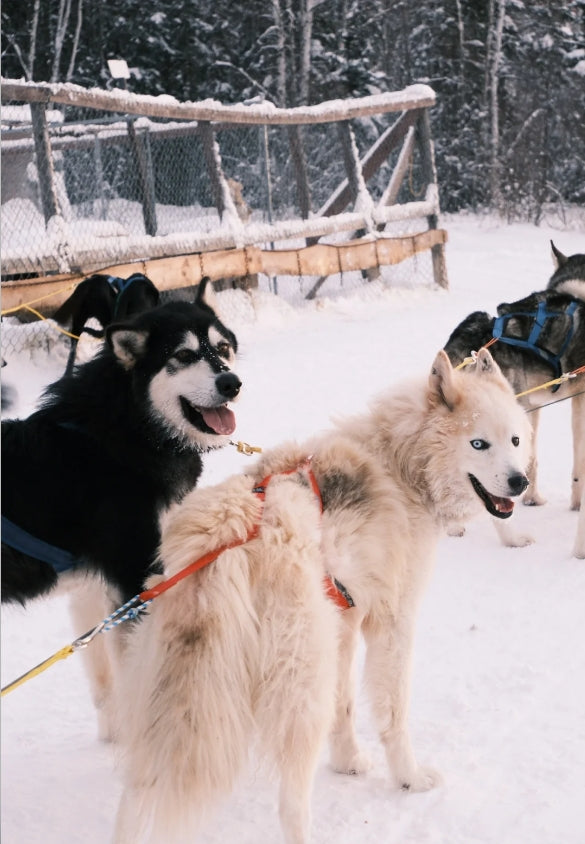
x=558 y=258
x=443 y=388
x=205 y=293
x=127 y=344
x=486 y=365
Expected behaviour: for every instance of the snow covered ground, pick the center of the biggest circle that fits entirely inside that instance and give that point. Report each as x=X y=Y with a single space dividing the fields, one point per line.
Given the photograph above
x=499 y=668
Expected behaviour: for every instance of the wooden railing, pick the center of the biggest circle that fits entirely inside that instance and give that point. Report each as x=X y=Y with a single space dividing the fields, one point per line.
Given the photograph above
x=236 y=250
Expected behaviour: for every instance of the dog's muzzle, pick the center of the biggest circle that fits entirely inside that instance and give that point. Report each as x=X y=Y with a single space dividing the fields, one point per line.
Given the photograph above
x=500 y=507
x=228 y=385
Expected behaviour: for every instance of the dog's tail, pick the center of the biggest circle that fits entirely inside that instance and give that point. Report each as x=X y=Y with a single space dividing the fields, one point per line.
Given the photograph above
x=187 y=708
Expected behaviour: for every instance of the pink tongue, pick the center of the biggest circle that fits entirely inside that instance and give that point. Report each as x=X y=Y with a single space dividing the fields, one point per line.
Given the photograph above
x=221 y=419
x=503 y=505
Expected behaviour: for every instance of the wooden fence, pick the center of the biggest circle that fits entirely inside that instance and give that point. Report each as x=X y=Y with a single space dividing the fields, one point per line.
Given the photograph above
x=240 y=249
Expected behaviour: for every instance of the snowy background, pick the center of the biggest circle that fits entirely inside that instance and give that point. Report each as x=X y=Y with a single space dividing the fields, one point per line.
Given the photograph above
x=499 y=667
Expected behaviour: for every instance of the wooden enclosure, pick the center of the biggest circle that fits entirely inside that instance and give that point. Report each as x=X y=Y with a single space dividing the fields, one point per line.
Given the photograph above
x=241 y=249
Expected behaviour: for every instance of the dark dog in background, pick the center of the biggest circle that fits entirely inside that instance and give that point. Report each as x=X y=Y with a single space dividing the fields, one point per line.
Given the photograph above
x=86 y=477
x=106 y=298
x=539 y=338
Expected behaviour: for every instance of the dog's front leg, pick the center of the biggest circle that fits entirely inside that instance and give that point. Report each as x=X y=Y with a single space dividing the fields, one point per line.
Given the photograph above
x=579 y=546
x=532 y=496
x=388 y=670
x=346 y=756
x=88 y=606
x=578 y=426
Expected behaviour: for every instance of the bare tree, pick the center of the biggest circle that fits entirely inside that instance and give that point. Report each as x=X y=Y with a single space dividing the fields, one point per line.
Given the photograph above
x=294 y=22
x=76 y=37
x=60 y=33
x=494 y=58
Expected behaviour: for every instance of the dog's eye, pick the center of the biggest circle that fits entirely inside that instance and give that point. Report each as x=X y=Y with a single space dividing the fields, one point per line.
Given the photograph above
x=185 y=356
x=479 y=445
x=224 y=349
x=516 y=441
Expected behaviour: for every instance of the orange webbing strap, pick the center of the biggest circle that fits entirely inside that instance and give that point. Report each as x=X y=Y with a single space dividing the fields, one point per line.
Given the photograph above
x=135 y=605
x=333 y=588
x=149 y=594
x=337 y=592
x=197 y=565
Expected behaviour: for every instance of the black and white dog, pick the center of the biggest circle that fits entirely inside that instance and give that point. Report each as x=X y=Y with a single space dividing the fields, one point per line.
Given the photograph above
x=86 y=477
x=538 y=338
x=108 y=299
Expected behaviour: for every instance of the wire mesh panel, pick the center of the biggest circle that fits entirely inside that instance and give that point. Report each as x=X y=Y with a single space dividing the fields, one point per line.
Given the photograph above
x=84 y=189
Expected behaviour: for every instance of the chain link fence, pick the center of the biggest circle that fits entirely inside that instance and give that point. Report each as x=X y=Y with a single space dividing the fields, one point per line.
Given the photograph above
x=115 y=180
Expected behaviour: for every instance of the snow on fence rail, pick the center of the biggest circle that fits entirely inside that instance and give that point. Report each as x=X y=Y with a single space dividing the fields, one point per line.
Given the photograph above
x=112 y=181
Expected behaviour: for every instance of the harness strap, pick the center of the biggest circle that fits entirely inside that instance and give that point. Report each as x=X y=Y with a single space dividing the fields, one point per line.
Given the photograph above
x=120 y=285
x=540 y=317
x=337 y=592
x=333 y=588
x=21 y=540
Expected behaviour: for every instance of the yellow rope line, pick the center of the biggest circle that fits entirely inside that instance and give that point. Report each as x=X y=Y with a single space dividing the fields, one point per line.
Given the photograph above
x=560 y=380
x=57 y=326
x=40 y=299
x=38 y=669
x=471 y=359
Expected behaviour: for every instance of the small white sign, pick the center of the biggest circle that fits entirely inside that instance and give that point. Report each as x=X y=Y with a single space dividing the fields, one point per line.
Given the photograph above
x=119 y=68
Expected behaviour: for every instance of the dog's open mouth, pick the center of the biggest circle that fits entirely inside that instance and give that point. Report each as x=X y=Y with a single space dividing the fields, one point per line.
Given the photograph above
x=211 y=420
x=501 y=508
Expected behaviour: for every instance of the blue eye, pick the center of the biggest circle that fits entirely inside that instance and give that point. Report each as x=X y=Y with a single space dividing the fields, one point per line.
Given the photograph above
x=479 y=445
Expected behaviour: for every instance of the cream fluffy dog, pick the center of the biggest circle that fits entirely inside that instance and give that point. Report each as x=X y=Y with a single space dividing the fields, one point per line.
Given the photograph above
x=251 y=646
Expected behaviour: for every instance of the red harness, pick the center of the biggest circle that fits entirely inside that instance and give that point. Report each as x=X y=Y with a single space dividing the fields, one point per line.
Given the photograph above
x=333 y=588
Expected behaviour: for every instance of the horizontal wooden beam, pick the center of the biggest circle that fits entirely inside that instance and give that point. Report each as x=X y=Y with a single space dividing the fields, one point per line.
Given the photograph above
x=124 y=102
x=325 y=259
x=169 y=273
x=114 y=251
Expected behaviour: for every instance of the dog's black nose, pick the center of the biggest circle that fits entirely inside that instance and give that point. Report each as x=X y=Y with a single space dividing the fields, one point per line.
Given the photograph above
x=517 y=484
x=228 y=384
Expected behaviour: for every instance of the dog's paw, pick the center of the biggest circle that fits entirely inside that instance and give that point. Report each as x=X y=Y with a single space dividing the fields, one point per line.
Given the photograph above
x=519 y=540
x=358 y=763
x=533 y=500
x=510 y=537
x=455 y=529
x=423 y=779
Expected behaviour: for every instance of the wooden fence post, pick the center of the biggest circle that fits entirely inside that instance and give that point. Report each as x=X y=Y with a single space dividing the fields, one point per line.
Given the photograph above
x=213 y=166
x=45 y=169
x=430 y=176
x=300 y=168
x=141 y=147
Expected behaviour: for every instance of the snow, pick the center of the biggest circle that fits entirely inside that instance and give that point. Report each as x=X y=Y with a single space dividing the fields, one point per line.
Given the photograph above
x=499 y=663
x=164 y=105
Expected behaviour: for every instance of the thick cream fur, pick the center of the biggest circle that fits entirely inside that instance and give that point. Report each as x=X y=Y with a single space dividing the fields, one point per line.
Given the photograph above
x=252 y=647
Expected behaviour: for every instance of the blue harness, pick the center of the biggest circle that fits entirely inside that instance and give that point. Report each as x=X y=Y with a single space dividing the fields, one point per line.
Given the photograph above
x=119 y=285
x=23 y=541
x=540 y=317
